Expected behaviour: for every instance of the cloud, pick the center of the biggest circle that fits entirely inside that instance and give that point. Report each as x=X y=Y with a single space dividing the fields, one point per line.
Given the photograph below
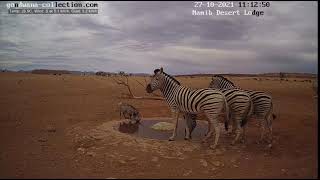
x=142 y=36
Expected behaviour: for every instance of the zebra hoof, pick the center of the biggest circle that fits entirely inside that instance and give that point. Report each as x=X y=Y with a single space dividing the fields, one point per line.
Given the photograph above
x=187 y=138
x=213 y=146
x=171 y=139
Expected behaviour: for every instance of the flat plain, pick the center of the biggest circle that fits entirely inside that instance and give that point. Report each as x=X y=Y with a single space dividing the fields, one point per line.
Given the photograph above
x=50 y=127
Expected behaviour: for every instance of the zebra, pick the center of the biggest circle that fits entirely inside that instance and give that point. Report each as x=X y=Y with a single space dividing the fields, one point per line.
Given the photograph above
x=262 y=104
x=240 y=107
x=186 y=100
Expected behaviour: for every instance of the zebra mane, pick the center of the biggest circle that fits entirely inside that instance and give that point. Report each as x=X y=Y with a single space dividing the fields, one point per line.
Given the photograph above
x=219 y=76
x=170 y=77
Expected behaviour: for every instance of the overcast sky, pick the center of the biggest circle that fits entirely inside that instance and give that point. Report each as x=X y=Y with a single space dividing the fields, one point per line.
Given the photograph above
x=141 y=36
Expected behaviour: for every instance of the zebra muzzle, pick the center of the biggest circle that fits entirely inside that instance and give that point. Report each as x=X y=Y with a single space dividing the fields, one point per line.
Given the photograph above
x=148 y=89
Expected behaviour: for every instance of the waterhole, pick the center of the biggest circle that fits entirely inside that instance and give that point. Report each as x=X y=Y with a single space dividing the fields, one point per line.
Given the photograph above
x=143 y=129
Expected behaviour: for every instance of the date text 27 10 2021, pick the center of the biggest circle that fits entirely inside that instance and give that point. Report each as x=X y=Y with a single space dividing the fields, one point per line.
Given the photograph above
x=208 y=12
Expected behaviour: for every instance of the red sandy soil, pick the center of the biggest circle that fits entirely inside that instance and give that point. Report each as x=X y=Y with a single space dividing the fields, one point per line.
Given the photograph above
x=47 y=126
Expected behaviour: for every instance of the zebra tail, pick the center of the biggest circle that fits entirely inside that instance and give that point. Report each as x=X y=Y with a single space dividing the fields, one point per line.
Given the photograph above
x=248 y=114
x=227 y=114
x=270 y=113
x=273 y=115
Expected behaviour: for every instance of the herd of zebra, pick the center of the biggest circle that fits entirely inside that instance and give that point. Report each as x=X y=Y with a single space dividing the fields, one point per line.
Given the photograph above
x=222 y=96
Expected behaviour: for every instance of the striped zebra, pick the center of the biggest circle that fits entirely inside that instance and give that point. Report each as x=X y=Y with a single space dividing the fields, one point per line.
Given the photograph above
x=262 y=104
x=240 y=108
x=186 y=100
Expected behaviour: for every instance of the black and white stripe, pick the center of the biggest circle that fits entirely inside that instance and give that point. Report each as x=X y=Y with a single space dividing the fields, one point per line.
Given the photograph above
x=240 y=106
x=186 y=100
x=262 y=103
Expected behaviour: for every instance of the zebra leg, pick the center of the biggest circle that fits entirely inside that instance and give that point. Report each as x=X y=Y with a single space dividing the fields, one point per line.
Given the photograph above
x=243 y=140
x=217 y=134
x=174 y=134
x=209 y=128
x=269 y=124
x=234 y=127
x=208 y=134
x=262 y=128
x=187 y=127
x=187 y=133
x=238 y=131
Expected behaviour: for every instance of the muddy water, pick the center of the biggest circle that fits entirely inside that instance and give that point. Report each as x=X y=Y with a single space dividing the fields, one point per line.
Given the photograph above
x=144 y=130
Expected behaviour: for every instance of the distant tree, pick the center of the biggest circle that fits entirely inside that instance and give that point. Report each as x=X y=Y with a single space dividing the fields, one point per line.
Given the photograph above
x=122 y=73
x=281 y=75
x=124 y=81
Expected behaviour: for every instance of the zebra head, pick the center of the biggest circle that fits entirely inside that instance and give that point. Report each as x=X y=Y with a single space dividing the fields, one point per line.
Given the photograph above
x=220 y=82
x=215 y=81
x=157 y=80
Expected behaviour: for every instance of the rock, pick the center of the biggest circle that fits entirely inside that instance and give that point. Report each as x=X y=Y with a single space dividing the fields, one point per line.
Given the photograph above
x=217 y=163
x=163 y=126
x=122 y=161
x=236 y=166
x=218 y=152
x=169 y=157
x=155 y=159
x=203 y=162
x=187 y=149
x=213 y=169
x=96 y=136
x=187 y=173
x=132 y=158
x=179 y=153
x=81 y=150
x=92 y=154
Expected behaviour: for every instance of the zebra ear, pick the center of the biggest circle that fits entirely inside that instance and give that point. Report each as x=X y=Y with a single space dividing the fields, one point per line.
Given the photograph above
x=161 y=70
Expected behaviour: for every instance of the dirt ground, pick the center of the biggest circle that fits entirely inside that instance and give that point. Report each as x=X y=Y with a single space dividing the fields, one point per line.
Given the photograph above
x=60 y=127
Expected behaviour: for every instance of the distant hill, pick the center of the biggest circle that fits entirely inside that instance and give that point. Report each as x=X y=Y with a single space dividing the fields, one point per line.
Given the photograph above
x=57 y=72
x=302 y=75
x=47 y=71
